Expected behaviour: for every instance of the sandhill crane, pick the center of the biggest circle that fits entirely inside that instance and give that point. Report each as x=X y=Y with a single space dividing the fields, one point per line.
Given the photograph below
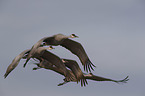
x=47 y=65
x=54 y=40
x=17 y=59
x=41 y=54
x=73 y=46
x=90 y=76
x=57 y=39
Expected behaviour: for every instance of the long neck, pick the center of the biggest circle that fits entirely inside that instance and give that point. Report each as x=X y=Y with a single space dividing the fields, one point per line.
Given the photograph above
x=42 y=48
x=60 y=37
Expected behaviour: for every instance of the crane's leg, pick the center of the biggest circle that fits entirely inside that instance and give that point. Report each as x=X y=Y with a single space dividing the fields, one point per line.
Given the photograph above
x=60 y=84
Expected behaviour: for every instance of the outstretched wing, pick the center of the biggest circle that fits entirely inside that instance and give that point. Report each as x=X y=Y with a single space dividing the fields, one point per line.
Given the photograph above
x=55 y=60
x=77 y=49
x=33 y=49
x=15 y=62
x=98 y=78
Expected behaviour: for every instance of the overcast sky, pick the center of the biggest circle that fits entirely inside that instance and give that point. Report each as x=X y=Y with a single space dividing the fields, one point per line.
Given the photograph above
x=111 y=31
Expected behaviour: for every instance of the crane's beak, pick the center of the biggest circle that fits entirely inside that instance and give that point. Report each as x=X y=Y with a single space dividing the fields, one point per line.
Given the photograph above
x=50 y=48
x=76 y=36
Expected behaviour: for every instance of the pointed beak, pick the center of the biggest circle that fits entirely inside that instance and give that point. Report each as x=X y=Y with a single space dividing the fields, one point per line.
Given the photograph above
x=77 y=36
x=50 y=47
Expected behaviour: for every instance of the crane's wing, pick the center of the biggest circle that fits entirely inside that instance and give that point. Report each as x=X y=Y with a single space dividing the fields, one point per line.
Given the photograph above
x=98 y=78
x=77 y=49
x=55 y=60
x=47 y=65
x=33 y=49
x=15 y=62
x=73 y=65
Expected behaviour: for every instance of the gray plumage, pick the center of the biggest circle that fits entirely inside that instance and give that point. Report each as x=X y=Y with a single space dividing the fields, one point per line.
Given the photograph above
x=24 y=54
x=90 y=76
x=77 y=49
x=57 y=39
x=68 y=68
x=55 y=60
x=93 y=77
x=33 y=49
x=73 y=46
x=42 y=54
x=15 y=62
x=39 y=51
x=48 y=65
x=74 y=67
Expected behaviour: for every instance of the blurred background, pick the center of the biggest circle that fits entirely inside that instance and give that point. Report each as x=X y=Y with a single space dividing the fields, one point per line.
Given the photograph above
x=111 y=31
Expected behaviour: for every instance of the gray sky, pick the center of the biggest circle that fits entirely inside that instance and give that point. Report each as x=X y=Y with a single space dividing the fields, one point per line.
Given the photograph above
x=111 y=31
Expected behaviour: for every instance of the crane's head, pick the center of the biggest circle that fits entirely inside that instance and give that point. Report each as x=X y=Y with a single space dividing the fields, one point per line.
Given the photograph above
x=43 y=44
x=73 y=36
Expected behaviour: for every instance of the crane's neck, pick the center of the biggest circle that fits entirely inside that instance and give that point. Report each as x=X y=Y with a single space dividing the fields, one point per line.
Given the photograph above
x=60 y=37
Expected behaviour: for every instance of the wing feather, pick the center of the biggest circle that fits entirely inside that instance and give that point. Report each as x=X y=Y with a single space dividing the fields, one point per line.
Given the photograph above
x=15 y=62
x=98 y=78
x=73 y=65
x=55 y=60
x=77 y=49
